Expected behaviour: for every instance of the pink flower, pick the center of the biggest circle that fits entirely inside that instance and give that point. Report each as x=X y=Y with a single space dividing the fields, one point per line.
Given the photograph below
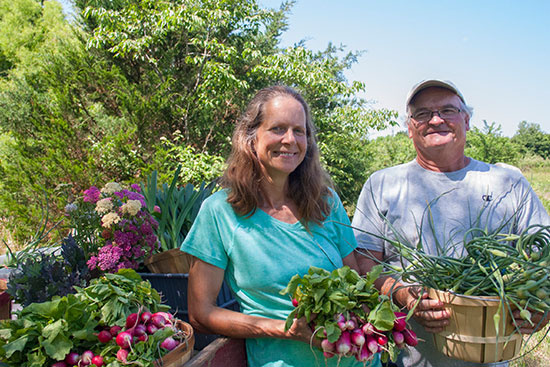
x=92 y=194
x=108 y=257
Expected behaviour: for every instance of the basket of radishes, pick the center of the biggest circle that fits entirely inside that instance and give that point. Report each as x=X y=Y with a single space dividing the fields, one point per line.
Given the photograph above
x=348 y=314
x=147 y=339
x=116 y=321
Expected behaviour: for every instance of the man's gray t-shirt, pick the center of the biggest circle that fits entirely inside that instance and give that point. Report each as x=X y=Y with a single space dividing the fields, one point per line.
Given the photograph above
x=407 y=200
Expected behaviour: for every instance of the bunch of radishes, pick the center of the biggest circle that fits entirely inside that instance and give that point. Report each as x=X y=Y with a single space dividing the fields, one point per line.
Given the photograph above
x=362 y=340
x=346 y=311
x=138 y=328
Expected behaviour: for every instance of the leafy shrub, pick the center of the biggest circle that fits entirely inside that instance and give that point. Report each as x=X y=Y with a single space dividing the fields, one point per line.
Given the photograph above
x=489 y=145
x=39 y=277
x=178 y=207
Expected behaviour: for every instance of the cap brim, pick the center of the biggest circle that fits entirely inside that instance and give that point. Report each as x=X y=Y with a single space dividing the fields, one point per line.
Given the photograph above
x=432 y=83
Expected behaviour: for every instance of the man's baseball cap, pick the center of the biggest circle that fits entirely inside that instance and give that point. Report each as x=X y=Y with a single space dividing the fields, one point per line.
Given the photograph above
x=433 y=83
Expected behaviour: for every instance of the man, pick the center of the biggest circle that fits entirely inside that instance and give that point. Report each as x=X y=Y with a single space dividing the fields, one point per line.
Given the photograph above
x=442 y=194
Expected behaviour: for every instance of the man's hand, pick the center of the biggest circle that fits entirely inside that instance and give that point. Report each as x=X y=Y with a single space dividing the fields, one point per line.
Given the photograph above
x=430 y=313
x=538 y=320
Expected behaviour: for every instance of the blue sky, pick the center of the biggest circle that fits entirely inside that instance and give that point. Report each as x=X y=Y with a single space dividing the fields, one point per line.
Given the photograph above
x=496 y=52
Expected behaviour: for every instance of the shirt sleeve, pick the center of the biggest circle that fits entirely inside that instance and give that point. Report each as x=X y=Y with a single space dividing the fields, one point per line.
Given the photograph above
x=367 y=223
x=531 y=209
x=207 y=238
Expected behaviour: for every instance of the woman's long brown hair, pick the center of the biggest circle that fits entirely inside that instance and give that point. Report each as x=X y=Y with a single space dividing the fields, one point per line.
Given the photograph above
x=308 y=183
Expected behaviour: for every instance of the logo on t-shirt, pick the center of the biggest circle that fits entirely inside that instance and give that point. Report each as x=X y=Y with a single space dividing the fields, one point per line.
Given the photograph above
x=487 y=198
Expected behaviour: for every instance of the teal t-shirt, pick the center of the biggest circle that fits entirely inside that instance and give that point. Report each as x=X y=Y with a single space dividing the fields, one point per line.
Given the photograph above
x=260 y=255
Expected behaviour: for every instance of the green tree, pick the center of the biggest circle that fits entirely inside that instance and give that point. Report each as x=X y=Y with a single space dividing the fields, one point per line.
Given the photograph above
x=206 y=58
x=532 y=139
x=489 y=145
x=391 y=150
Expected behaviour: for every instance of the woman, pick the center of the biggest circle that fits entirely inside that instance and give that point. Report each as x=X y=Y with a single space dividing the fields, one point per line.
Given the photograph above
x=275 y=217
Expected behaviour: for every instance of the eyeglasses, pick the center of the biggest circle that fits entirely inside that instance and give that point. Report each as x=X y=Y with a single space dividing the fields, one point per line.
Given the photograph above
x=446 y=113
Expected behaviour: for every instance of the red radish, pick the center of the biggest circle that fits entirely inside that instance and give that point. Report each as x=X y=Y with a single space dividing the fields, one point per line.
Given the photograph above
x=131 y=320
x=341 y=322
x=328 y=354
x=327 y=346
x=122 y=355
x=124 y=339
x=294 y=302
x=158 y=320
x=140 y=330
x=351 y=324
x=398 y=337
x=368 y=329
x=59 y=364
x=168 y=316
x=86 y=358
x=145 y=317
x=114 y=330
x=382 y=340
x=410 y=337
x=343 y=344
x=169 y=343
x=400 y=322
x=143 y=338
x=357 y=337
x=98 y=361
x=72 y=358
x=372 y=344
x=151 y=329
x=104 y=336
x=364 y=354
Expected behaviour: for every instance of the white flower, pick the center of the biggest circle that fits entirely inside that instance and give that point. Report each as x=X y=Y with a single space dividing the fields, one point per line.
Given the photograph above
x=111 y=187
x=131 y=207
x=104 y=206
x=71 y=207
x=109 y=219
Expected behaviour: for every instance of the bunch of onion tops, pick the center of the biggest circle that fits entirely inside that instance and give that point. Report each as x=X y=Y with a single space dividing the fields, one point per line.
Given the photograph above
x=513 y=268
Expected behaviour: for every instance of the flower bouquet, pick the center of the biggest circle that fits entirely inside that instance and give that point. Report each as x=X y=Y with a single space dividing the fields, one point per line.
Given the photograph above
x=114 y=227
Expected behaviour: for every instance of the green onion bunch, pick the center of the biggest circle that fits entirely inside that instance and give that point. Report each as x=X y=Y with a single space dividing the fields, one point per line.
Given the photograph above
x=514 y=268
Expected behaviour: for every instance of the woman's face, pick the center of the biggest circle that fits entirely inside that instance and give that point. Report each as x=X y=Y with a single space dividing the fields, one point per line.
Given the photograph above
x=281 y=140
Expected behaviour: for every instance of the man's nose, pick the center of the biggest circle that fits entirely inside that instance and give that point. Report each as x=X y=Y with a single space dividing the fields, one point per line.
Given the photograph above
x=436 y=119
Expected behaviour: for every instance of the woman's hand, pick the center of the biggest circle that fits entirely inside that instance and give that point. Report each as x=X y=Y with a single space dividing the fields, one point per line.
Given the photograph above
x=301 y=331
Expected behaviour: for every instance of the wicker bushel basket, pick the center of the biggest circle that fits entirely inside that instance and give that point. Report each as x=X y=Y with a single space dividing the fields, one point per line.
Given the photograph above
x=183 y=352
x=471 y=335
x=170 y=261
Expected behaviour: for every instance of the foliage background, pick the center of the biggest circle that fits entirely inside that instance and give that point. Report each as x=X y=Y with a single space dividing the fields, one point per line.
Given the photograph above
x=129 y=87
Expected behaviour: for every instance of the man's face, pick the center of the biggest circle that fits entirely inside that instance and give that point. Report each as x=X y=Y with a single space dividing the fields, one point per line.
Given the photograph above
x=439 y=137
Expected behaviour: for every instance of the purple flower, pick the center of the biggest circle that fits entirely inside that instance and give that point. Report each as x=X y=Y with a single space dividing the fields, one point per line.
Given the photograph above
x=109 y=257
x=92 y=194
x=92 y=263
x=136 y=187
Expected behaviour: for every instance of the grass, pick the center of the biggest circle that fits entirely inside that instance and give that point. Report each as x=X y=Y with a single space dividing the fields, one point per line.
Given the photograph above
x=538 y=175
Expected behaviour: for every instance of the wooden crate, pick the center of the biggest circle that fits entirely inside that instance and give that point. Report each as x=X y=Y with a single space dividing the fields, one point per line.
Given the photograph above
x=5 y=301
x=223 y=352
